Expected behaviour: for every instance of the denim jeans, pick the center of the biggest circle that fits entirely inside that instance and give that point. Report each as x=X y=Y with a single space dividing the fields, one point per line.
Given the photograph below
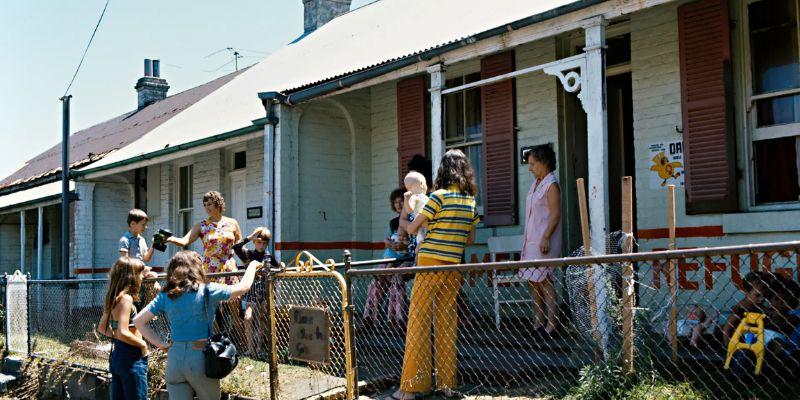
x=128 y=372
x=186 y=373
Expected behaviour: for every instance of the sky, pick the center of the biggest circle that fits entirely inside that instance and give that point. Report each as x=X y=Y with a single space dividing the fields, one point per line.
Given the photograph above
x=41 y=43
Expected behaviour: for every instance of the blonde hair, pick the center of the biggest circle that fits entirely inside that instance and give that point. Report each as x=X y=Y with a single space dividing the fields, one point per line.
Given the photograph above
x=264 y=234
x=414 y=177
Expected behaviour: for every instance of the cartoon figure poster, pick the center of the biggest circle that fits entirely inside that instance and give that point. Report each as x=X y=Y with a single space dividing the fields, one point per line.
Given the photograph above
x=666 y=164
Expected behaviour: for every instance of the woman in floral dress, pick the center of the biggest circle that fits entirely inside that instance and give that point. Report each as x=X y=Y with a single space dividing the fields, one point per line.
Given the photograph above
x=218 y=234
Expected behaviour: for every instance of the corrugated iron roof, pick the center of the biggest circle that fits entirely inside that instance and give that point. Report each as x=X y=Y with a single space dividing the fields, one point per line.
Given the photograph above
x=94 y=143
x=361 y=39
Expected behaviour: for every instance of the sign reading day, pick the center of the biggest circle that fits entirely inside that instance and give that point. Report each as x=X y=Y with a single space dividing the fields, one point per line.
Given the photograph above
x=309 y=334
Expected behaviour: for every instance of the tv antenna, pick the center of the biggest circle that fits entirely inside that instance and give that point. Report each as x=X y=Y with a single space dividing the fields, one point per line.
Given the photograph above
x=233 y=52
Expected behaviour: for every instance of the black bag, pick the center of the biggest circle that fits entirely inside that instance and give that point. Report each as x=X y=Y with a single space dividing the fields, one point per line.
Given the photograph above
x=219 y=353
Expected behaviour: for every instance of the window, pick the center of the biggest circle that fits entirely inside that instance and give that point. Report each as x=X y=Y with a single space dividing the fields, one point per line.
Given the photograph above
x=140 y=189
x=773 y=103
x=239 y=160
x=463 y=126
x=185 y=203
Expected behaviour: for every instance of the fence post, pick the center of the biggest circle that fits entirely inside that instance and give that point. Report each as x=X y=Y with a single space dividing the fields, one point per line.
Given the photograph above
x=673 y=276
x=599 y=351
x=273 y=340
x=352 y=360
x=28 y=309
x=627 y=275
x=5 y=312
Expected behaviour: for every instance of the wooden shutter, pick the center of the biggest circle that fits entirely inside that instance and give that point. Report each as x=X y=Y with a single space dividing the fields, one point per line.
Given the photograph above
x=411 y=125
x=707 y=107
x=498 y=112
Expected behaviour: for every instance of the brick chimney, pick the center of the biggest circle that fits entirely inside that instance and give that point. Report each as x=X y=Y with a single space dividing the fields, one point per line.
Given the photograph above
x=151 y=87
x=318 y=12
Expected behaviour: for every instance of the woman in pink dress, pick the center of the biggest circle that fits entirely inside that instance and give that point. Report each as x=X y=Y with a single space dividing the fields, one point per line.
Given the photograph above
x=542 y=237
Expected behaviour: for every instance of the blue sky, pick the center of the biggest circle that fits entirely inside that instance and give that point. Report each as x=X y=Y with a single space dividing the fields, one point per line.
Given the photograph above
x=41 y=43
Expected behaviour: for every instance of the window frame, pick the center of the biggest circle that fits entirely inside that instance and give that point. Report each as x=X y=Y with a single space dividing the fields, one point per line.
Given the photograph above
x=462 y=141
x=746 y=114
x=179 y=212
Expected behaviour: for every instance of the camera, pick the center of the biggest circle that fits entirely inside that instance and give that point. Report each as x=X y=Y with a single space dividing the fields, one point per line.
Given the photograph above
x=160 y=239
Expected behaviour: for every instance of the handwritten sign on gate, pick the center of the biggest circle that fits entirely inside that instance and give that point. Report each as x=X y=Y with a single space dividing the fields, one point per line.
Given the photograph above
x=309 y=334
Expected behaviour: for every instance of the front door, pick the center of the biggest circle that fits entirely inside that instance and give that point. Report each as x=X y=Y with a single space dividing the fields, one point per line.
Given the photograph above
x=237 y=205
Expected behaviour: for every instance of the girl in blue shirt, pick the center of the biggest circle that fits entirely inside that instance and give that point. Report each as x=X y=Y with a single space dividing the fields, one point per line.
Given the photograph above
x=182 y=301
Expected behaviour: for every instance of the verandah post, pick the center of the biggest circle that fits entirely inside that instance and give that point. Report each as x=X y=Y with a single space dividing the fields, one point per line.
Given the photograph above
x=627 y=276
x=673 y=278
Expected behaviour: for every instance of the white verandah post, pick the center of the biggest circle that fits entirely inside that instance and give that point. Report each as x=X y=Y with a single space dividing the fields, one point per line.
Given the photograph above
x=437 y=145
x=39 y=242
x=22 y=241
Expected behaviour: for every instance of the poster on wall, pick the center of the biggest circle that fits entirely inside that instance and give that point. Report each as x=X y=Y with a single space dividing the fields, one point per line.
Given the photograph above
x=666 y=164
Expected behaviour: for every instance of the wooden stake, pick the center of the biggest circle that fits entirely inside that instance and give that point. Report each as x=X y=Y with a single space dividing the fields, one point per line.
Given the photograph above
x=587 y=247
x=627 y=276
x=672 y=281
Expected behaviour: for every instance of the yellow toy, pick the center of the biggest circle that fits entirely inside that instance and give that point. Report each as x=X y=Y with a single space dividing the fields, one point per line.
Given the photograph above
x=664 y=168
x=752 y=324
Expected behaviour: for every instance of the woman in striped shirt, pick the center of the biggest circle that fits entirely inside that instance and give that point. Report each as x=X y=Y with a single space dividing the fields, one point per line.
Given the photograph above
x=451 y=217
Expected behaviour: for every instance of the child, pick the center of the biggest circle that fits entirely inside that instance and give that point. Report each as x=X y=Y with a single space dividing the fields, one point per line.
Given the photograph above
x=755 y=286
x=132 y=243
x=254 y=300
x=396 y=247
x=694 y=325
x=415 y=183
x=128 y=362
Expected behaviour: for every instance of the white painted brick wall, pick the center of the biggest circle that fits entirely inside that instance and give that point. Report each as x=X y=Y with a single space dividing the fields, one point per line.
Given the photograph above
x=83 y=223
x=112 y=201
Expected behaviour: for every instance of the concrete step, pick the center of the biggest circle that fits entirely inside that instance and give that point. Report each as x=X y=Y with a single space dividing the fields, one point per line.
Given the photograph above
x=5 y=382
x=13 y=365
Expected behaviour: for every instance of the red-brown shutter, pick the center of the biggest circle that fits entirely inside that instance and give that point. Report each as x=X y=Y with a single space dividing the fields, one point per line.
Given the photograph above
x=707 y=107
x=411 y=125
x=500 y=175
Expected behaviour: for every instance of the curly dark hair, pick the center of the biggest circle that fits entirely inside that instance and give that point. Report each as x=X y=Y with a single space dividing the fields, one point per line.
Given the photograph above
x=543 y=154
x=216 y=199
x=456 y=170
x=396 y=194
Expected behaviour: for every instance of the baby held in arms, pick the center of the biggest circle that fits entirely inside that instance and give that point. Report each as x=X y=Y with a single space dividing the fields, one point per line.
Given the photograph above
x=415 y=198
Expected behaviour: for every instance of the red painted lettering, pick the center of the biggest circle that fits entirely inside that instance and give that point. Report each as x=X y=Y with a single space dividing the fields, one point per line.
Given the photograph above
x=710 y=268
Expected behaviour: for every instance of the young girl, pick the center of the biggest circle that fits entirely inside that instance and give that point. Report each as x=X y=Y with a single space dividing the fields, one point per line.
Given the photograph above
x=755 y=285
x=128 y=362
x=183 y=300
x=395 y=248
x=451 y=216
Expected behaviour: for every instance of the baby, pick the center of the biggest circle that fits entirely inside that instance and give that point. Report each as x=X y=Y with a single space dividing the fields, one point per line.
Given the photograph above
x=694 y=325
x=415 y=184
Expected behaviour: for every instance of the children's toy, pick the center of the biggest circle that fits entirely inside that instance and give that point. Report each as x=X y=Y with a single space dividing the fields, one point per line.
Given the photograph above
x=160 y=239
x=749 y=335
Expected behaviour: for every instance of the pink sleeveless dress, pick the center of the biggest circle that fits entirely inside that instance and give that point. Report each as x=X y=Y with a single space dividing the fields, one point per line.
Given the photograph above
x=536 y=216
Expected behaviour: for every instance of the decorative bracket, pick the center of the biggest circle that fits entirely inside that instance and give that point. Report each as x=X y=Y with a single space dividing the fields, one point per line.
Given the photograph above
x=570 y=73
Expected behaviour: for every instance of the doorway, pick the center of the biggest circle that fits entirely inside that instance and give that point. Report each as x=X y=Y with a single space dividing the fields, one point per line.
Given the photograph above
x=574 y=147
x=237 y=201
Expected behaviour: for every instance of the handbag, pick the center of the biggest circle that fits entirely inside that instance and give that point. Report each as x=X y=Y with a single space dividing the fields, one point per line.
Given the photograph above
x=219 y=352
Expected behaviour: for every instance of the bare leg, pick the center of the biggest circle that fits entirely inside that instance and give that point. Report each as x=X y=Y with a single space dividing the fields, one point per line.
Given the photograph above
x=549 y=294
x=538 y=304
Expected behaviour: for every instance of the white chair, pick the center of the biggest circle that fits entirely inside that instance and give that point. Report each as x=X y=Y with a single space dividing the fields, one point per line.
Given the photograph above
x=500 y=245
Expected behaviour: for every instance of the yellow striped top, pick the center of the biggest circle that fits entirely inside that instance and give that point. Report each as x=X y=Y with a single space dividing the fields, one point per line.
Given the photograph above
x=451 y=217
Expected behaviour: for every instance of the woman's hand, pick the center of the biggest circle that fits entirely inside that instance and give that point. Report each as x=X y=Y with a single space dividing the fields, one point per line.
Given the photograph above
x=544 y=246
x=145 y=350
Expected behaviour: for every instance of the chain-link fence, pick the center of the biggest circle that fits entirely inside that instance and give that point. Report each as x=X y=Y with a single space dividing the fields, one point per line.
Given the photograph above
x=683 y=308
x=667 y=321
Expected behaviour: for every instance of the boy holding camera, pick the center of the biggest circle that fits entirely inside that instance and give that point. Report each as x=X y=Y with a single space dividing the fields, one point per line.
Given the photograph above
x=132 y=243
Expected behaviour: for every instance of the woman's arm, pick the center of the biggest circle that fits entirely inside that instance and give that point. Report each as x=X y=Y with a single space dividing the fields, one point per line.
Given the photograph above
x=102 y=327
x=123 y=315
x=554 y=205
x=247 y=280
x=237 y=231
x=471 y=237
x=417 y=223
x=140 y=321
x=186 y=240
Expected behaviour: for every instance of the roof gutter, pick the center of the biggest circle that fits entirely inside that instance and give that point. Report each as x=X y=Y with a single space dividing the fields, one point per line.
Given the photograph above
x=310 y=93
x=257 y=125
x=72 y=196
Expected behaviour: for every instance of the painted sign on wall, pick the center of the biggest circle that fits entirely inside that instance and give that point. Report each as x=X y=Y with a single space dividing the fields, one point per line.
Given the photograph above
x=666 y=166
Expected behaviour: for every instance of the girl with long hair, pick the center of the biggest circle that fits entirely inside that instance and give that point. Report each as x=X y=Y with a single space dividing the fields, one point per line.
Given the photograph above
x=183 y=300
x=128 y=363
x=451 y=216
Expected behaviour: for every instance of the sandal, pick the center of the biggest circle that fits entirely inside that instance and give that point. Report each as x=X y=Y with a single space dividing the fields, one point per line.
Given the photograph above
x=405 y=396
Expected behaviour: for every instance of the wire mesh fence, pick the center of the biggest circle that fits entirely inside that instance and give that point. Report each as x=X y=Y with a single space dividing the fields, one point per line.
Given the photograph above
x=700 y=323
x=685 y=309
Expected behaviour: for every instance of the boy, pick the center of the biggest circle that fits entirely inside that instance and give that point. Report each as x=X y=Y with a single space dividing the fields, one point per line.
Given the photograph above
x=254 y=299
x=132 y=243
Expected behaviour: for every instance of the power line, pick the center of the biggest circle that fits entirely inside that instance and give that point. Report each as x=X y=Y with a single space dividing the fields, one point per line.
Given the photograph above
x=87 y=47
